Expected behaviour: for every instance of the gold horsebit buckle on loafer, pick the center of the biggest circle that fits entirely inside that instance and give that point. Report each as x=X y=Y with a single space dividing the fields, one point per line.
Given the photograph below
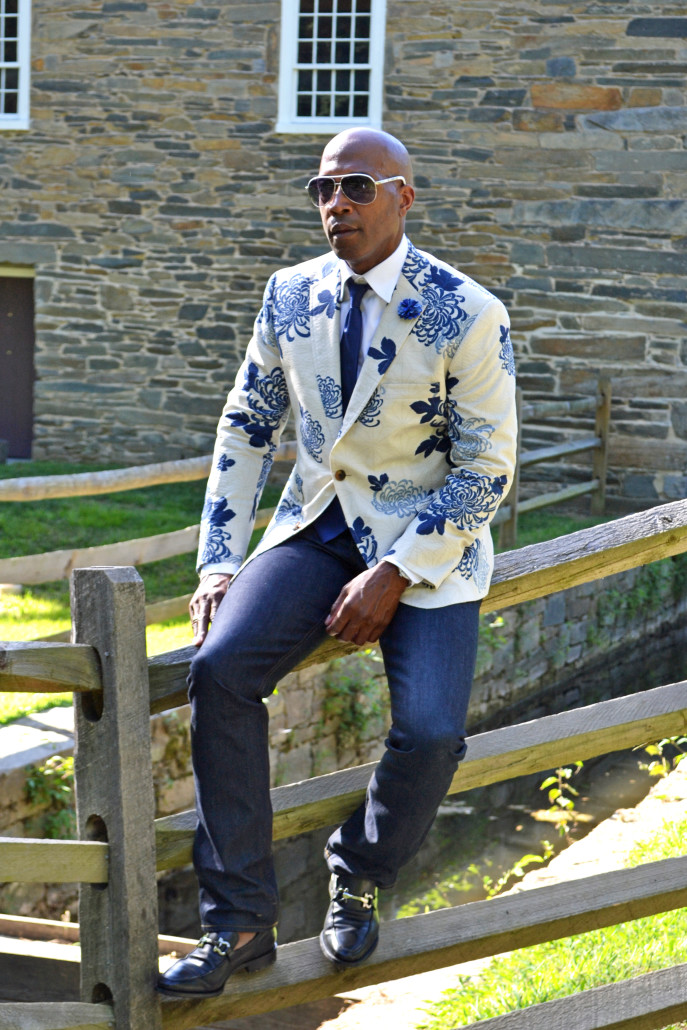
x=220 y=946
x=343 y=894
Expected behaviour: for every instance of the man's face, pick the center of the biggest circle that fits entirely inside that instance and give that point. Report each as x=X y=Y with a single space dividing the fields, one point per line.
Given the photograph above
x=364 y=234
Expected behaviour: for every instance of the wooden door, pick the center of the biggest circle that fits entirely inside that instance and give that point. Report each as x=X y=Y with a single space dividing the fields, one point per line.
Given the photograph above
x=16 y=364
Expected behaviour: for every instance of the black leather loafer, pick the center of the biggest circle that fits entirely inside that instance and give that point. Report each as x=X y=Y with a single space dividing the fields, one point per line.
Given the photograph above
x=204 y=972
x=351 y=927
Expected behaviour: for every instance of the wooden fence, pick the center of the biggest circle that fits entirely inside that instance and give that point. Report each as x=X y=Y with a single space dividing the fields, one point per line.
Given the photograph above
x=120 y=844
x=600 y=406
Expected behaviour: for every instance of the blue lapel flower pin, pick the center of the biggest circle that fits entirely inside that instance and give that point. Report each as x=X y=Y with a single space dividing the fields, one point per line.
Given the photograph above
x=409 y=308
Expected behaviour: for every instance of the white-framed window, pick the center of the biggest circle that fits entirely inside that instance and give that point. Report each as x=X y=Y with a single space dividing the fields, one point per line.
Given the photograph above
x=331 y=64
x=15 y=57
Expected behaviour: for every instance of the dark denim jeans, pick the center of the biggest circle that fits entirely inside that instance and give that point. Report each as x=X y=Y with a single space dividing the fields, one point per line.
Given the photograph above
x=272 y=616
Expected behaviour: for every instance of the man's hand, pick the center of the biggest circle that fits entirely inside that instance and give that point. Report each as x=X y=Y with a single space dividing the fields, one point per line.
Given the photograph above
x=366 y=605
x=205 y=602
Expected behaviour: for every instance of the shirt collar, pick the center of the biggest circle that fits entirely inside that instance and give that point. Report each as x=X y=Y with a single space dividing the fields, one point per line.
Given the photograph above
x=384 y=276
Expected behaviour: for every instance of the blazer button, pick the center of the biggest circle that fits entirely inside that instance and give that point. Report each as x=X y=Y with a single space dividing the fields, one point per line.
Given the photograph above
x=340 y=474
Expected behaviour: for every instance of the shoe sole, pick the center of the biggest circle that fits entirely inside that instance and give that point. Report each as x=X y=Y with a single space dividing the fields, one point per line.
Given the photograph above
x=344 y=963
x=253 y=965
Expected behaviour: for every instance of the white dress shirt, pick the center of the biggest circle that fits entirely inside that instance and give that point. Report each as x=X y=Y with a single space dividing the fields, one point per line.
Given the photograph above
x=382 y=281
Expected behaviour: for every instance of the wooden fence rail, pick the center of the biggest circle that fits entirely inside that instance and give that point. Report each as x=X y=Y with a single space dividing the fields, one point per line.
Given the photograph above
x=121 y=845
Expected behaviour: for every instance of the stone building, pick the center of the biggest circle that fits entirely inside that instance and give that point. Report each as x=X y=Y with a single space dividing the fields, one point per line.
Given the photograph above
x=152 y=158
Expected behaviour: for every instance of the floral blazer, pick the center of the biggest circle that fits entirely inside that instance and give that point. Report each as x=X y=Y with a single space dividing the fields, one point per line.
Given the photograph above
x=426 y=449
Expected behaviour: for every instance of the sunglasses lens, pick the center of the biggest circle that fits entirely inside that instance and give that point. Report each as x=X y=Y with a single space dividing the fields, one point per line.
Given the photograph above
x=321 y=190
x=360 y=189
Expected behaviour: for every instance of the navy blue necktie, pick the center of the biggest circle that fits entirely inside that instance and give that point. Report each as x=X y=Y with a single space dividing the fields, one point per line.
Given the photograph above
x=351 y=340
x=332 y=522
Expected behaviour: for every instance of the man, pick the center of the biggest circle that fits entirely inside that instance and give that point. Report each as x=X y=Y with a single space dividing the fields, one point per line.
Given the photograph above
x=406 y=442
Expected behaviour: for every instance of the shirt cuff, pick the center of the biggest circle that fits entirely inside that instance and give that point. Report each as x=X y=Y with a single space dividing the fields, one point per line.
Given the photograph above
x=413 y=580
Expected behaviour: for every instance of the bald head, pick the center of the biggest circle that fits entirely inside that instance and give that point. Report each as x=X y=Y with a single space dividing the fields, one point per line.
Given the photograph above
x=371 y=147
x=361 y=234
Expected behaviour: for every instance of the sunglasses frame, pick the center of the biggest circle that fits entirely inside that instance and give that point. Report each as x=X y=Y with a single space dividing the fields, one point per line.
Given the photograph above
x=339 y=180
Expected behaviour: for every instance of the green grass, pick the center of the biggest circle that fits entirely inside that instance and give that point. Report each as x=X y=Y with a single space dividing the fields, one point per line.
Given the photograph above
x=33 y=527
x=565 y=967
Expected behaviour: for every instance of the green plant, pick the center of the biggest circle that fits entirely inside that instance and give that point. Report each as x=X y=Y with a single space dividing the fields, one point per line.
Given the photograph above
x=354 y=696
x=663 y=757
x=493 y=887
x=51 y=786
x=562 y=794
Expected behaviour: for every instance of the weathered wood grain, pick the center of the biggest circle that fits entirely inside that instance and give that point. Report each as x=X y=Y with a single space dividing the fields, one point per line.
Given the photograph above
x=42 y=568
x=558 y=496
x=587 y=555
x=52 y=565
x=55 y=1016
x=602 y=423
x=115 y=799
x=447 y=937
x=559 y=450
x=48 y=668
x=38 y=971
x=648 y=1002
x=556 y=409
x=86 y=484
x=492 y=757
x=52 y=861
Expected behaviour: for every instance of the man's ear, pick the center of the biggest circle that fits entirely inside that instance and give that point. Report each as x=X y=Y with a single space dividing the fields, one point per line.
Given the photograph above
x=407 y=198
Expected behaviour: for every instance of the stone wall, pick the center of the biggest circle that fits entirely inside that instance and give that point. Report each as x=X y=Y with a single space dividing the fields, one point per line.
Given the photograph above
x=153 y=199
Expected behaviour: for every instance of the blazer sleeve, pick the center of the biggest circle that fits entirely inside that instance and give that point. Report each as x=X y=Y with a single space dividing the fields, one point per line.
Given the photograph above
x=481 y=425
x=248 y=432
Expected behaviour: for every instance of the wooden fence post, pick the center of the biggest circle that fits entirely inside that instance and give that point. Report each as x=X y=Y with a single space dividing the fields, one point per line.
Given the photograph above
x=115 y=802
x=603 y=419
x=508 y=531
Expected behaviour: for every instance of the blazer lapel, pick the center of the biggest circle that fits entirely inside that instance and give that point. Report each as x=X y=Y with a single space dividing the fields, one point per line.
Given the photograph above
x=325 y=331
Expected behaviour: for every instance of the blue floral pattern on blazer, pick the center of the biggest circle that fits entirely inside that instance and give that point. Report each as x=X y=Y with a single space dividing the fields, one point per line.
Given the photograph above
x=425 y=451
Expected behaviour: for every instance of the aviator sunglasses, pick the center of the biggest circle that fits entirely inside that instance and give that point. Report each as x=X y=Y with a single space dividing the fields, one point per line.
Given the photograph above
x=357 y=187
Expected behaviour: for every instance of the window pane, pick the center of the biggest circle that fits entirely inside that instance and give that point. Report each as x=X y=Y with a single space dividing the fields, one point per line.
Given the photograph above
x=324 y=52
x=324 y=28
x=364 y=6
x=322 y=106
x=12 y=78
x=11 y=6
x=305 y=53
x=344 y=6
x=307 y=6
x=306 y=28
x=305 y=82
x=324 y=80
x=360 y=107
x=341 y=101
x=343 y=28
x=303 y=107
x=361 y=53
x=11 y=28
x=342 y=52
x=362 y=81
x=326 y=6
x=362 y=28
x=10 y=51
x=343 y=81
